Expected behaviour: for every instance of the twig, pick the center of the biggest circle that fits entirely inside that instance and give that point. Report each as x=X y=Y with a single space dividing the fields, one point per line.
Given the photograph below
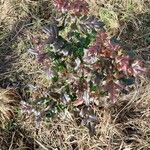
x=12 y=139
x=41 y=144
x=142 y=36
x=142 y=49
x=26 y=25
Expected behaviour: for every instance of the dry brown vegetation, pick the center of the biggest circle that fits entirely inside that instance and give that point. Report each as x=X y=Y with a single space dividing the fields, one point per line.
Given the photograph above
x=124 y=125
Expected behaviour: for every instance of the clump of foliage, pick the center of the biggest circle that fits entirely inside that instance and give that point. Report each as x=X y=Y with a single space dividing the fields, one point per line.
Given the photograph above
x=81 y=61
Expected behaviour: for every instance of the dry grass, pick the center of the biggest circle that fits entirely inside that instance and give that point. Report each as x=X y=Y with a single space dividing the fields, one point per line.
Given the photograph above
x=118 y=13
x=122 y=126
x=9 y=100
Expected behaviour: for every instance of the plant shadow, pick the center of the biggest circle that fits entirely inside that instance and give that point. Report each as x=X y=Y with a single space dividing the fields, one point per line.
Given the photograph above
x=136 y=38
x=16 y=138
x=8 y=53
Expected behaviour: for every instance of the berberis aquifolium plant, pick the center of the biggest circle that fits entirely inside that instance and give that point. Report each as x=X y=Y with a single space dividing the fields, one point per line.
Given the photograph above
x=81 y=61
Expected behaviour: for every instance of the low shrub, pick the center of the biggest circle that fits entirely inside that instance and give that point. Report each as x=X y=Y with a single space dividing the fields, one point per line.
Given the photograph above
x=82 y=62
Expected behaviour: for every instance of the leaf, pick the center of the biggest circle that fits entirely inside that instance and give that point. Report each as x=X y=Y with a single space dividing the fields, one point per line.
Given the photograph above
x=66 y=98
x=78 y=102
x=128 y=81
x=41 y=57
x=62 y=5
x=76 y=7
x=74 y=26
x=52 y=32
x=38 y=51
x=89 y=119
x=55 y=95
x=60 y=43
x=91 y=23
x=32 y=51
x=38 y=119
x=91 y=126
x=83 y=28
x=90 y=55
x=101 y=37
x=123 y=63
x=138 y=69
x=102 y=47
x=113 y=89
x=26 y=108
x=49 y=72
x=79 y=7
x=86 y=98
x=112 y=46
x=78 y=62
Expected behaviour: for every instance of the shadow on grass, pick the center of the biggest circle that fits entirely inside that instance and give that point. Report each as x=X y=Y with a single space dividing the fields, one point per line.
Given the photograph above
x=8 y=53
x=16 y=138
x=137 y=39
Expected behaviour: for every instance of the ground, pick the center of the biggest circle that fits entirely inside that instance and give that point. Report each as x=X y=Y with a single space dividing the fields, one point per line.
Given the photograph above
x=124 y=125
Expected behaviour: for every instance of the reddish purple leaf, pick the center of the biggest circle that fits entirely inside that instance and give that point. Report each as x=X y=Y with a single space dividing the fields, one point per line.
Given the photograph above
x=113 y=89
